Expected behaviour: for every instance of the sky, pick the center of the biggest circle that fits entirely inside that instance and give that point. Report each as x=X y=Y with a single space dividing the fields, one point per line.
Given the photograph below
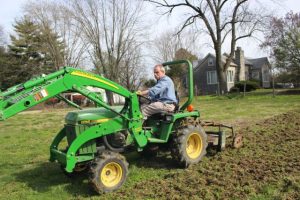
x=12 y=9
x=9 y=10
x=250 y=46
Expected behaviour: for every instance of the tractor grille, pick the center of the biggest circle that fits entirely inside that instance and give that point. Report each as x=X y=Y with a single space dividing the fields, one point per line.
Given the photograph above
x=72 y=131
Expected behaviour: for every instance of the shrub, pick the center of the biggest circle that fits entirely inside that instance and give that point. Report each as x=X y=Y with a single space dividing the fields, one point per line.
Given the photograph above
x=234 y=90
x=250 y=85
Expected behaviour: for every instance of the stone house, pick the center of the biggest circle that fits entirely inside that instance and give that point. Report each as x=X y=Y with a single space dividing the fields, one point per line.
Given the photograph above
x=241 y=68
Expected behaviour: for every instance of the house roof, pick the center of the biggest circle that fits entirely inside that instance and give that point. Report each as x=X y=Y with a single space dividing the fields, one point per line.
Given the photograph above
x=248 y=62
x=256 y=63
x=212 y=55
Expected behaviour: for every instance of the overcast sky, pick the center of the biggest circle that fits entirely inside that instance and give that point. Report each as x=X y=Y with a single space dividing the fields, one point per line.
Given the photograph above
x=12 y=9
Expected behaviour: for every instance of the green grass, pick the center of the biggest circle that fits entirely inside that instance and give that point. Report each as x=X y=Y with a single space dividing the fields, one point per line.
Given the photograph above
x=25 y=172
x=256 y=105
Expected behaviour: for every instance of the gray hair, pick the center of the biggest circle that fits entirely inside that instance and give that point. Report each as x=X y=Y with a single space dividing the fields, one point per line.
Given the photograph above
x=161 y=67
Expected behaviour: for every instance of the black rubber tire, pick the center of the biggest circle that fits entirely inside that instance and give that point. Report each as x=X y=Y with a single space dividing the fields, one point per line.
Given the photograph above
x=179 y=145
x=105 y=158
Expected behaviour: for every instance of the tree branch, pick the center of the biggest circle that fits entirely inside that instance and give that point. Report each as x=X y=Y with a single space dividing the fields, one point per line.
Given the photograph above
x=225 y=35
x=187 y=22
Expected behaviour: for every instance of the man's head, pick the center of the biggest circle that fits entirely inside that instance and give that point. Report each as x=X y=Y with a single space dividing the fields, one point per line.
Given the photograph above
x=159 y=71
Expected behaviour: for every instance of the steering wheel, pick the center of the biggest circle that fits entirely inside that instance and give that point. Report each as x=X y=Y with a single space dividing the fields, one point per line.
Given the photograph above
x=143 y=99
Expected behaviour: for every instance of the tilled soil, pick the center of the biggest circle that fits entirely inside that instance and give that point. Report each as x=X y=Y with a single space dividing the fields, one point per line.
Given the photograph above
x=269 y=160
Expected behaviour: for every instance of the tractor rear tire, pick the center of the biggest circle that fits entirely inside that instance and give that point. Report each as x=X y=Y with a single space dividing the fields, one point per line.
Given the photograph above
x=189 y=145
x=108 y=172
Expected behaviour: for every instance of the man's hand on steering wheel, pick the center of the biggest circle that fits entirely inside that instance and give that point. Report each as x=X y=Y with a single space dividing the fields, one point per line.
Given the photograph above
x=143 y=99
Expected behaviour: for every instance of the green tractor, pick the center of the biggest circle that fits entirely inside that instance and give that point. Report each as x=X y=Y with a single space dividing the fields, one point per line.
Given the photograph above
x=97 y=137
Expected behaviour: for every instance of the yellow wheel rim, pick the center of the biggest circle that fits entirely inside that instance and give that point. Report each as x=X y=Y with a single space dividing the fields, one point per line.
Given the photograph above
x=194 y=145
x=111 y=174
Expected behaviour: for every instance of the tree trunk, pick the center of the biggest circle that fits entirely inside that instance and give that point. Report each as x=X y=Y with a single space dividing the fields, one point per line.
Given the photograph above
x=221 y=75
x=222 y=83
x=110 y=97
x=244 y=94
x=273 y=85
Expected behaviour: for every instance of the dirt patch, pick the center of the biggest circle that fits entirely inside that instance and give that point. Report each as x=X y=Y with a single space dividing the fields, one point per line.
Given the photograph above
x=269 y=157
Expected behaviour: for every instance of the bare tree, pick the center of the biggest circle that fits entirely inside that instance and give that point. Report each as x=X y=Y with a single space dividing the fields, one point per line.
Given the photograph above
x=282 y=39
x=113 y=29
x=165 y=46
x=130 y=76
x=221 y=18
x=168 y=43
x=57 y=16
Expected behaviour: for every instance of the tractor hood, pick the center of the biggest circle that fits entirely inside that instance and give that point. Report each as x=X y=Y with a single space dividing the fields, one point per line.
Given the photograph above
x=94 y=115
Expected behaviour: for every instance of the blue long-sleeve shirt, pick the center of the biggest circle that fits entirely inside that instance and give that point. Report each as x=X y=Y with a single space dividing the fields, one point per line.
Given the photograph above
x=163 y=91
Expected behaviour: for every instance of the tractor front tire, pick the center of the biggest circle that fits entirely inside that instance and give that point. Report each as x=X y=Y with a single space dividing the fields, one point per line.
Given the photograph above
x=108 y=172
x=189 y=145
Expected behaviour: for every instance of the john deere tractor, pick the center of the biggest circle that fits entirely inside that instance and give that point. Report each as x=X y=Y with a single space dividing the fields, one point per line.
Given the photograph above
x=97 y=137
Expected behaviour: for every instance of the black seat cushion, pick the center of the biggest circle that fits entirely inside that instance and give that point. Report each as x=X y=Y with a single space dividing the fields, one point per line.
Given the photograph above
x=159 y=115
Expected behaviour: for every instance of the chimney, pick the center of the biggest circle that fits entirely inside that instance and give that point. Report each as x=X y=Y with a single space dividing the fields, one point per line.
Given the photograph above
x=240 y=61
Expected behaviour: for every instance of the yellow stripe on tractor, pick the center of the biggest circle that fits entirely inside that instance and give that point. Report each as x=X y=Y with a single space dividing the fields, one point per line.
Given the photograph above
x=90 y=76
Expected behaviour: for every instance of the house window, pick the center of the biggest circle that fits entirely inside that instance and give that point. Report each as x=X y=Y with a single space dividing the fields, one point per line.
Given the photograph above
x=255 y=75
x=266 y=76
x=212 y=77
x=210 y=62
x=230 y=76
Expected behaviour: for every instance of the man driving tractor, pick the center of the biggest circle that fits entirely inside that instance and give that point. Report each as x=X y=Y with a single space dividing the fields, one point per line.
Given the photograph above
x=162 y=95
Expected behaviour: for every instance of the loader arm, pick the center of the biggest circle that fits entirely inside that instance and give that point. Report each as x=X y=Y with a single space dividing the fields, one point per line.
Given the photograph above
x=35 y=91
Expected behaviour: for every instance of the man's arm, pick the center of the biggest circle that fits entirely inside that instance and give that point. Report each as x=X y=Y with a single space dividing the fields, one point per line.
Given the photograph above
x=155 y=90
x=158 y=88
x=143 y=93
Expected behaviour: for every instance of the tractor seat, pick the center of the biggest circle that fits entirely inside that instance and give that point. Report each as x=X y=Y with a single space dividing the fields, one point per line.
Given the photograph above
x=160 y=116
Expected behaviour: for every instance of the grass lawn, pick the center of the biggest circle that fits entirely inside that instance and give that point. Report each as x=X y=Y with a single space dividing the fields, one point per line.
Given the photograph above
x=267 y=167
x=254 y=106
